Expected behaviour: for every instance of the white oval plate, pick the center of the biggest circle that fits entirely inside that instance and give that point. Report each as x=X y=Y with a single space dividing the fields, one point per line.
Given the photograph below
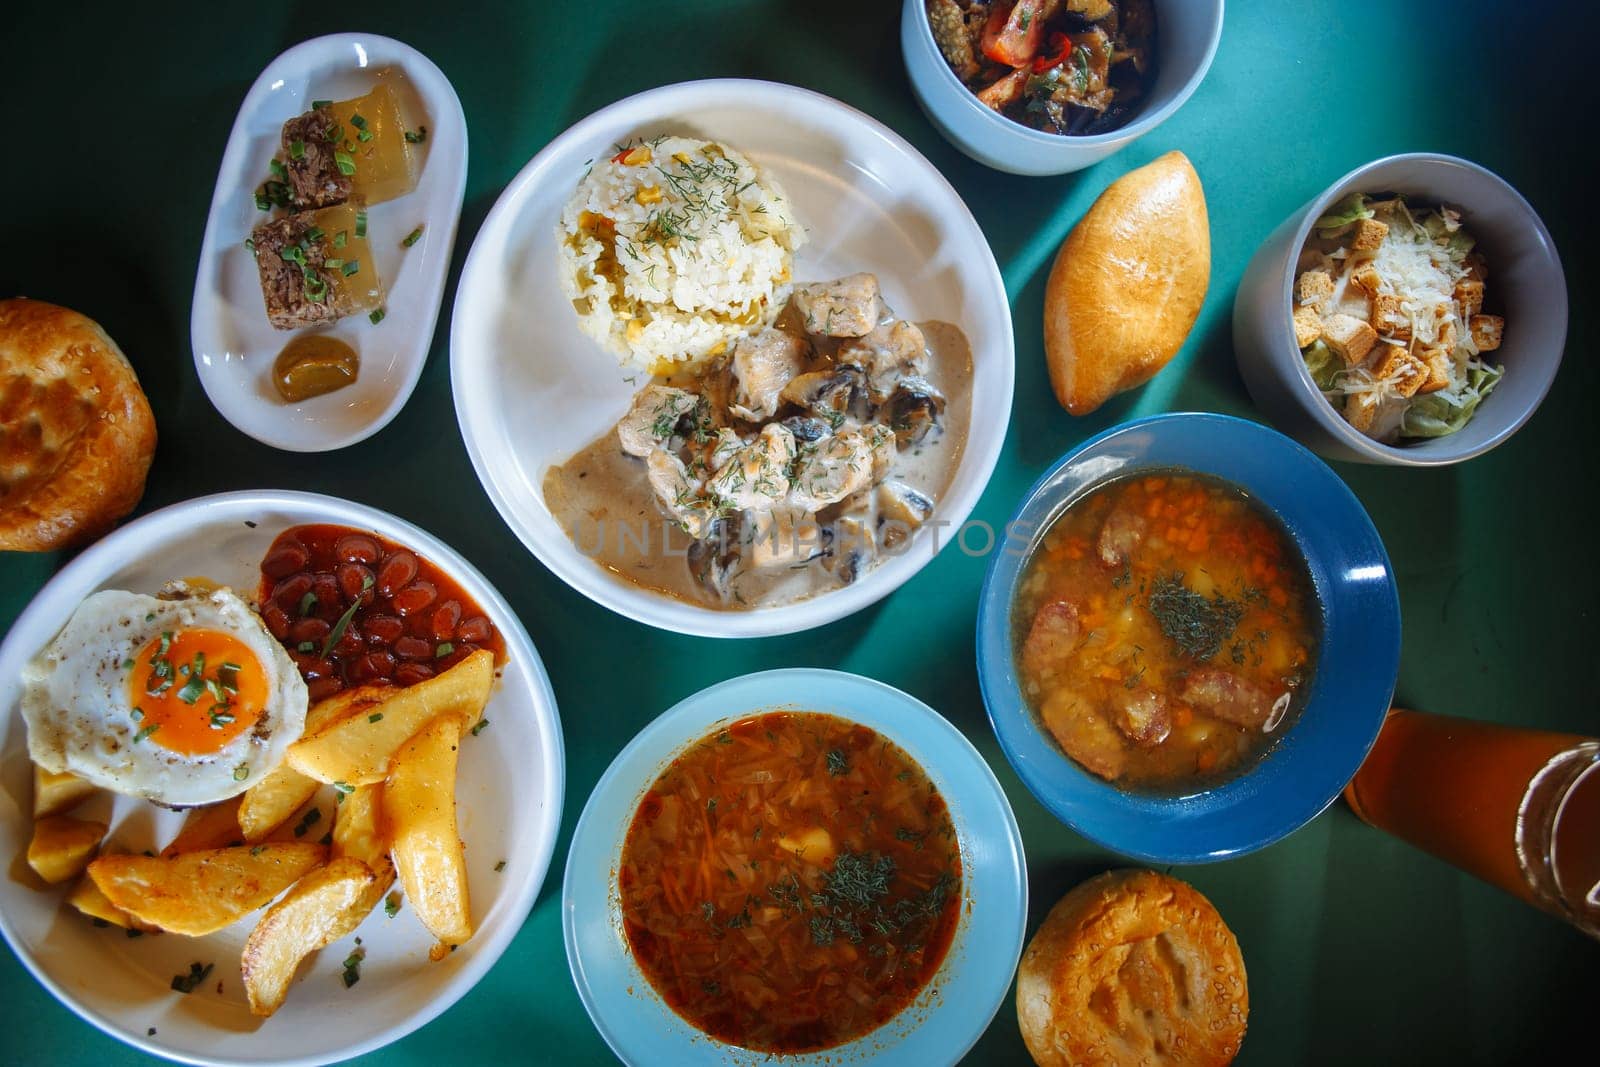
x=531 y=389
x=508 y=796
x=234 y=344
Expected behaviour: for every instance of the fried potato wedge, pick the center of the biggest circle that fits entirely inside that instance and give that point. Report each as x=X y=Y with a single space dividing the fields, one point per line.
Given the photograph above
x=358 y=829
x=324 y=906
x=358 y=749
x=56 y=793
x=198 y=893
x=268 y=804
x=419 y=819
x=87 y=898
x=205 y=828
x=63 y=846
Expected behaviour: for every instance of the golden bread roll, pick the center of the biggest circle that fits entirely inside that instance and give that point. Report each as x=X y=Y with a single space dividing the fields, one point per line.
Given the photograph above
x=1133 y=967
x=1127 y=284
x=76 y=432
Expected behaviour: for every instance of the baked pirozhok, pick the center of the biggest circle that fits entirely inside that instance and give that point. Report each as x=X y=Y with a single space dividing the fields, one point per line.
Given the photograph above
x=1133 y=967
x=76 y=432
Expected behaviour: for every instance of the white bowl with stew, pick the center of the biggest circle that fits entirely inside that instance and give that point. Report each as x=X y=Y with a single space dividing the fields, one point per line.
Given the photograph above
x=1187 y=35
x=1341 y=699
x=944 y=1018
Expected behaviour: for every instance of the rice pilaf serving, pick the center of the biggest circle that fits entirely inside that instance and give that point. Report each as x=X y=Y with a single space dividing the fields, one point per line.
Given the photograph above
x=674 y=247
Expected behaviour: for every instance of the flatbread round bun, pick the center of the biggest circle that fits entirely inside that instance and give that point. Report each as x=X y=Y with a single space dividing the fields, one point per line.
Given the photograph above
x=1133 y=967
x=76 y=432
x=1127 y=284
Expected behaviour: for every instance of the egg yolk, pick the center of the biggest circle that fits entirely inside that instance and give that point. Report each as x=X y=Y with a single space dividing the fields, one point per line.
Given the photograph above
x=193 y=691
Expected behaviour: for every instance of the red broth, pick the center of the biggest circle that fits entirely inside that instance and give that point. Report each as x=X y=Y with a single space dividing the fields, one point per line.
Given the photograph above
x=790 y=882
x=1166 y=630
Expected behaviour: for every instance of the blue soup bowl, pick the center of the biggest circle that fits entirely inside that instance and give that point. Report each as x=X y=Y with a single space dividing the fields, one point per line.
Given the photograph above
x=1356 y=664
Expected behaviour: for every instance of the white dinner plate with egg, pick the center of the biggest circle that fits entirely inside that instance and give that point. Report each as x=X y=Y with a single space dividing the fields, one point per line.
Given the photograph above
x=234 y=344
x=531 y=389
x=508 y=799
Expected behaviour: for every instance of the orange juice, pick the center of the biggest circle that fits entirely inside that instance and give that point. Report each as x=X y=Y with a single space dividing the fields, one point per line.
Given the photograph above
x=1518 y=808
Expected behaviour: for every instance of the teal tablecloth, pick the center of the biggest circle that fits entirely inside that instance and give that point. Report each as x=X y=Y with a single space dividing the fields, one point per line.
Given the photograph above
x=1359 y=948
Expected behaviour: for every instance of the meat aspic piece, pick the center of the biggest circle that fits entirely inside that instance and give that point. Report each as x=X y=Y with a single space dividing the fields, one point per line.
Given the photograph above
x=316 y=267
x=314 y=176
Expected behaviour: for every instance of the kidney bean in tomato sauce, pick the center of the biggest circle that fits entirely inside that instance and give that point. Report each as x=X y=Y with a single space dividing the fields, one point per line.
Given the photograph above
x=411 y=620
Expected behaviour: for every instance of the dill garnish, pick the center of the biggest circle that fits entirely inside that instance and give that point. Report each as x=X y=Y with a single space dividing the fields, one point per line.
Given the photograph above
x=837 y=764
x=1196 y=625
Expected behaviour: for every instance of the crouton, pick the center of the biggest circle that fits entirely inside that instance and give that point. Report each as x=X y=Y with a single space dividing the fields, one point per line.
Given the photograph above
x=1437 y=360
x=1389 y=318
x=1469 y=295
x=1366 y=278
x=1314 y=288
x=1400 y=369
x=1368 y=235
x=1487 y=331
x=1347 y=335
x=1307 y=326
x=1360 y=409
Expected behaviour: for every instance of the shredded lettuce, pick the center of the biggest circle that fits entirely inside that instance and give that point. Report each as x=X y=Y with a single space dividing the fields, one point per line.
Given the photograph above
x=1323 y=364
x=1345 y=212
x=1443 y=413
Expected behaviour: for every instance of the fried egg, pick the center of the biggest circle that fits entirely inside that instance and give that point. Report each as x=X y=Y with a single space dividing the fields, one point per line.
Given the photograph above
x=184 y=699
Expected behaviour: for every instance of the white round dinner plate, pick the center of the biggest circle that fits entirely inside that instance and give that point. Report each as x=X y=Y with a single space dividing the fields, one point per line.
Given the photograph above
x=531 y=389
x=508 y=800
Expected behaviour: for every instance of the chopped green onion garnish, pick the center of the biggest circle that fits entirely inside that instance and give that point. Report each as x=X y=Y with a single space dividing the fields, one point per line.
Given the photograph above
x=358 y=122
x=297 y=149
x=137 y=714
x=279 y=171
x=146 y=732
x=377 y=316
x=314 y=234
x=351 y=267
x=479 y=726
x=307 y=602
x=318 y=105
x=192 y=690
x=376 y=716
x=127 y=664
x=361 y=224
x=340 y=627
x=391 y=904
x=412 y=238
x=250 y=243
x=262 y=203
x=417 y=136
x=364 y=136
x=306 y=646
x=333 y=264
x=444 y=649
x=340 y=238
x=345 y=161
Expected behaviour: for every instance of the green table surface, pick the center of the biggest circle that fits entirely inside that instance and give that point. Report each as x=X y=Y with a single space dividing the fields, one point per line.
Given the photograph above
x=1359 y=948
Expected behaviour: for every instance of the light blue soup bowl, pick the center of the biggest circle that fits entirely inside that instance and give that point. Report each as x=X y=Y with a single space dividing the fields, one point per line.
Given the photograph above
x=955 y=1008
x=1355 y=669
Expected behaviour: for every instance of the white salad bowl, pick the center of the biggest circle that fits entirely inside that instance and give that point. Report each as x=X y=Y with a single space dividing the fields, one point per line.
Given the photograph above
x=1187 y=35
x=531 y=389
x=1525 y=285
x=234 y=344
x=508 y=807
